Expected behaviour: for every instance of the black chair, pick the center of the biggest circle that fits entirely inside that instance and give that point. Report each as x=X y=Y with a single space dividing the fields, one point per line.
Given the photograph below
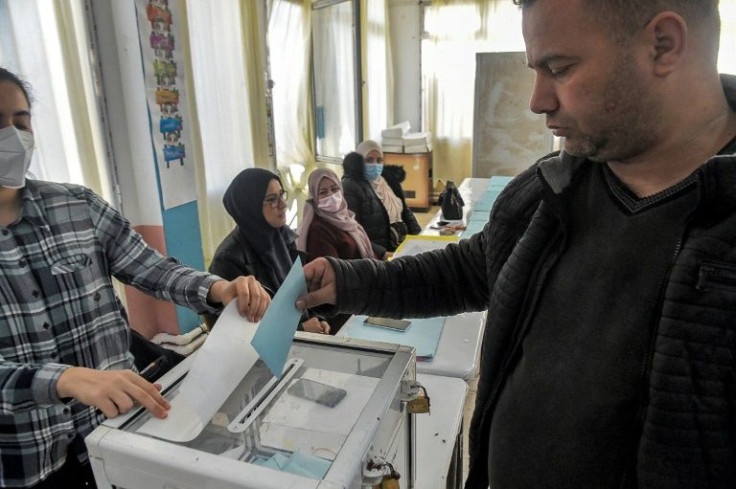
x=146 y=352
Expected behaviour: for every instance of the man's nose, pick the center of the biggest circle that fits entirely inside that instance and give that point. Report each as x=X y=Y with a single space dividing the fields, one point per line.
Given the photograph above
x=543 y=99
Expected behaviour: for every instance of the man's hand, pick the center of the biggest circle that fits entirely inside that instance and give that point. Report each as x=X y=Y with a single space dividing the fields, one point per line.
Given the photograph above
x=314 y=325
x=112 y=391
x=252 y=297
x=320 y=285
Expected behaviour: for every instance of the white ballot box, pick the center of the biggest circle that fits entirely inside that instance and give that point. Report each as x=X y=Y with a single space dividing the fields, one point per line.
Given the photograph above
x=337 y=417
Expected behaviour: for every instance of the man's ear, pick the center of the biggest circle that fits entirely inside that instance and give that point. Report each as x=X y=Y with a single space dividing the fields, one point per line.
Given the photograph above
x=667 y=37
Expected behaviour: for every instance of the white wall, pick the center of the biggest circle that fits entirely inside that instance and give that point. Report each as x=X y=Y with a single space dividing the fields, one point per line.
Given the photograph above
x=405 y=21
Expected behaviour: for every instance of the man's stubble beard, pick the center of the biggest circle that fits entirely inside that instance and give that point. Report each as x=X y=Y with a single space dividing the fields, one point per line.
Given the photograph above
x=628 y=121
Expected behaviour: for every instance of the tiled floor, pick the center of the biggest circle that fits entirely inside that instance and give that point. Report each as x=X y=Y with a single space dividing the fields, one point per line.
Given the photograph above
x=423 y=218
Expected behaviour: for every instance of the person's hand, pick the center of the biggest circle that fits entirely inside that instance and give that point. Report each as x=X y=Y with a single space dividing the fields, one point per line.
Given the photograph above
x=252 y=297
x=314 y=325
x=112 y=391
x=320 y=279
x=387 y=255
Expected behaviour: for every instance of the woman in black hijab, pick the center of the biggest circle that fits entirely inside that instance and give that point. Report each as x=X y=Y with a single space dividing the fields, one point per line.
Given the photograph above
x=261 y=244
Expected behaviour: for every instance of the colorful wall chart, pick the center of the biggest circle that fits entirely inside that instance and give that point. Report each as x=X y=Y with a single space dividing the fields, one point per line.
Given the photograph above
x=163 y=65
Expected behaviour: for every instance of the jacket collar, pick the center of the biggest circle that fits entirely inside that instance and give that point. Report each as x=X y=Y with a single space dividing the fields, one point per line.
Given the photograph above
x=716 y=180
x=556 y=170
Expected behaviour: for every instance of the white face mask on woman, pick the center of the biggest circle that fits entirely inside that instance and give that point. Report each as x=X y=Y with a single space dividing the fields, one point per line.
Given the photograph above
x=330 y=203
x=16 y=150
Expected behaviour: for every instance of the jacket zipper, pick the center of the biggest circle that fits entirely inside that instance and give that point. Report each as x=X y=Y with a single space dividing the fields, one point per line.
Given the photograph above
x=721 y=273
x=646 y=369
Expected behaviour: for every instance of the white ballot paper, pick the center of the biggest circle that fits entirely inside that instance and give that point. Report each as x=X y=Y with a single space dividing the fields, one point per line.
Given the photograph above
x=221 y=364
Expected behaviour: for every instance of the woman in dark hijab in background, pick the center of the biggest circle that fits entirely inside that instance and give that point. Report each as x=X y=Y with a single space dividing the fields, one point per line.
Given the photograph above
x=261 y=244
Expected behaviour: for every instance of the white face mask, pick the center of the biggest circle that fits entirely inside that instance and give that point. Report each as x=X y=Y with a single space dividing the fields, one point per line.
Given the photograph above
x=331 y=203
x=16 y=150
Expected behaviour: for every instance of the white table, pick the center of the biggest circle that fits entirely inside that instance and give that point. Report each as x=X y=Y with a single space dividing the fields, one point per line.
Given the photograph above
x=439 y=434
x=458 y=349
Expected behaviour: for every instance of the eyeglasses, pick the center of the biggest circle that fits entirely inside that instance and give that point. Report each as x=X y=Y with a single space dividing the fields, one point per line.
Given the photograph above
x=275 y=200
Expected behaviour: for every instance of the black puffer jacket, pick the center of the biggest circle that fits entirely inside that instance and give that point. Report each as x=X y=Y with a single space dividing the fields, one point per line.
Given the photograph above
x=368 y=209
x=688 y=436
x=235 y=257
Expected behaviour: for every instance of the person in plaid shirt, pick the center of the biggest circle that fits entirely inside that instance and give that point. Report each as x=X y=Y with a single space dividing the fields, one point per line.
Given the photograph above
x=64 y=339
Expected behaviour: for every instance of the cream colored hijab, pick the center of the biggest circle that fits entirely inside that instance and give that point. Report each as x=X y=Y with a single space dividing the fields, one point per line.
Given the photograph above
x=390 y=201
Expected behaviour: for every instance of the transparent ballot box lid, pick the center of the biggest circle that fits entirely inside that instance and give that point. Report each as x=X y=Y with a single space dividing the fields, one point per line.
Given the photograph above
x=297 y=423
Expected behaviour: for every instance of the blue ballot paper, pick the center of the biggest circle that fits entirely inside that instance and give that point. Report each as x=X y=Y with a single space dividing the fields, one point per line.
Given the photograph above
x=297 y=463
x=495 y=186
x=273 y=338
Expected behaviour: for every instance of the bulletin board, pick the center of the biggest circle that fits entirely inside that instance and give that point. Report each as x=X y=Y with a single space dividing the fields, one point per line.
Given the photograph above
x=507 y=136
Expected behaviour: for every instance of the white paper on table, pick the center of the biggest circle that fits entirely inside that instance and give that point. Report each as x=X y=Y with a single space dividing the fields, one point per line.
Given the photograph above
x=221 y=364
x=298 y=424
x=413 y=245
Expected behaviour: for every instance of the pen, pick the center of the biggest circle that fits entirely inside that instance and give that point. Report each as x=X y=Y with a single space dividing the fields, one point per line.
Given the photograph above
x=153 y=368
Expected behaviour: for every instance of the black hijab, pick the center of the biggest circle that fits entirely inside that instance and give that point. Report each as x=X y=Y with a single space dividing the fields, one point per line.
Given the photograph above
x=243 y=200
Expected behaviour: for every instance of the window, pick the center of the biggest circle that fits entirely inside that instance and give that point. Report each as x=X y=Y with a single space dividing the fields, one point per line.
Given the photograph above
x=336 y=71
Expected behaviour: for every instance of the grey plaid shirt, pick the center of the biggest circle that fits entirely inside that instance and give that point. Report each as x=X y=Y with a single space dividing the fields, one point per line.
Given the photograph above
x=58 y=309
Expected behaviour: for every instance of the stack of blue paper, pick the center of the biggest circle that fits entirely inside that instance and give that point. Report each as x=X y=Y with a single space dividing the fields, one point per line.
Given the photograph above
x=482 y=208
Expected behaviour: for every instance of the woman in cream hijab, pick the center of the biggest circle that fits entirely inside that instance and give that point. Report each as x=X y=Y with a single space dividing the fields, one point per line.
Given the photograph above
x=373 y=192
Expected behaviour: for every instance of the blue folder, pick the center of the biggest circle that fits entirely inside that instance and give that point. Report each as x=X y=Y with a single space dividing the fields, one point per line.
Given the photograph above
x=422 y=334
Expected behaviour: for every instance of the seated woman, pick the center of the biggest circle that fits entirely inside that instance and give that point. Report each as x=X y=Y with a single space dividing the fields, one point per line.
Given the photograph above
x=261 y=244
x=373 y=192
x=328 y=227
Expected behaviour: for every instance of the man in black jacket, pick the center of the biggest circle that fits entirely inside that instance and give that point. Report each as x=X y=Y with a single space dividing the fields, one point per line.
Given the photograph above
x=608 y=270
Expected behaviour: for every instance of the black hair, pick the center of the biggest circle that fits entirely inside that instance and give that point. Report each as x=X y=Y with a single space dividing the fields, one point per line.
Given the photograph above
x=623 y=18
x=9 y=76
x=353 y=164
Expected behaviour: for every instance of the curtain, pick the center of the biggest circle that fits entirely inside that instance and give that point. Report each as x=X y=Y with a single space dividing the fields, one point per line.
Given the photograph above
x=334 y=72
x=289 y=34
x=38 y=43
x=253 y=16
x=454 y=32
x=224 y=70
x=289 y=53
x=378 y=91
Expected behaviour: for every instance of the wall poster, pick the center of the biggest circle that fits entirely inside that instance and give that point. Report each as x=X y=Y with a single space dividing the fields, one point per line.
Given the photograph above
x=163 y=64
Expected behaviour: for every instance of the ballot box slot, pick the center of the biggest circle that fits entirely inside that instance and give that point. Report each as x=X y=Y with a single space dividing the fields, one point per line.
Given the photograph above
x=264 y=397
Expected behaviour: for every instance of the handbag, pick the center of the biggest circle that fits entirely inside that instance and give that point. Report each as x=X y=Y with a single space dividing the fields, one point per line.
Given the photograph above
x=451 y=203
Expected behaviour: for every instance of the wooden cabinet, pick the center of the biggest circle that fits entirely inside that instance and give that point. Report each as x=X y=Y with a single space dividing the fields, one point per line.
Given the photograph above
x=418 y=183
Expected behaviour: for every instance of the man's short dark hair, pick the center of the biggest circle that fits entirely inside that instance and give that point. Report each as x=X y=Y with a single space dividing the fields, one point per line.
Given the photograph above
x=9 y=76
x=625 y=17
